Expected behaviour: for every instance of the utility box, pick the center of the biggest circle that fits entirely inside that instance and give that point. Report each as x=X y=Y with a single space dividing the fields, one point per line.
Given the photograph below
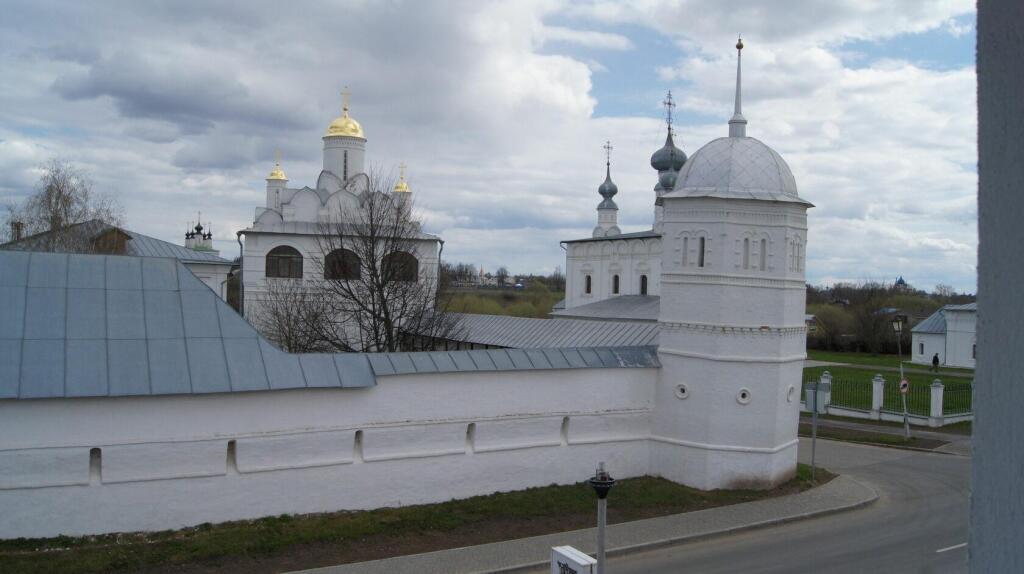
x=568 y=560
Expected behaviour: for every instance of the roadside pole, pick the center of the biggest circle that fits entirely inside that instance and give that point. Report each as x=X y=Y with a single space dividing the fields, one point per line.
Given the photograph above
x=814 y=428
x=602 y=482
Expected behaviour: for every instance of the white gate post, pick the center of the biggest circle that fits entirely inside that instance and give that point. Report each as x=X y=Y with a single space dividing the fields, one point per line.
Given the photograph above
x=935 y=420
x=824 y=393
x=877 y=393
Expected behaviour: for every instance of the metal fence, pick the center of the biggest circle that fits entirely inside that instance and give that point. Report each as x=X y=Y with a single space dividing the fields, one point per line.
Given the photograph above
x=851 y=394
x=957 y=399
x=919 y=399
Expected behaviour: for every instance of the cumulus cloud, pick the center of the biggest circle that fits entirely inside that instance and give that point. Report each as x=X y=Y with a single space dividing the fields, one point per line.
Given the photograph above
x=179 y=107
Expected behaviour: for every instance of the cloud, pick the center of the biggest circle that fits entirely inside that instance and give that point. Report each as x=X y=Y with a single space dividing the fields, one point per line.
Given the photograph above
x=179 y=108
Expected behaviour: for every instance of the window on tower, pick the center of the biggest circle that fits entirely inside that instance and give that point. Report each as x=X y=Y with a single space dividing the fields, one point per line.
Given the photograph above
x=764 y=255
x=284 y=262
x=643 y=284
x=587 y=285
x=400 y=266
x=746 y=253
x=615 y=285
x=700 y=252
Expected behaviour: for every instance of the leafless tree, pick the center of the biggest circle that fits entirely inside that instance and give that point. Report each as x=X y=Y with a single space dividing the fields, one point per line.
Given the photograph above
x=294 y=317
x=502 y=275
x=63 y=199
x=374 y=286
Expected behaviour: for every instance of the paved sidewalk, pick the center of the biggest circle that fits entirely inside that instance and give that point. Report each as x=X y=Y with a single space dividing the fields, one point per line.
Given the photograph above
x=842 y=493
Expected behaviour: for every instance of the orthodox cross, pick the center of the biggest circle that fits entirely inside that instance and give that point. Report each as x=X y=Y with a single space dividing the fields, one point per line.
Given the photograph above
x=608 y=152
x=345 y=93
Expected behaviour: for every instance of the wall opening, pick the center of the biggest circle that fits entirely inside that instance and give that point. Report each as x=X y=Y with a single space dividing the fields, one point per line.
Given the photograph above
x=357 y=447
x=344 y=169
x=764 y=255
x=95 y=466
x=615 y=285
x=470 y=438
x=643 y=284
x=587 y=287
x=232 y=462
x=746 y=253
x=565 y=431
x=686 y=250
x=700 y=253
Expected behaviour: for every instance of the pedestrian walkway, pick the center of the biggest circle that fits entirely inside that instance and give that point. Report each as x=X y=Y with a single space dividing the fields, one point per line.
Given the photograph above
x=842 y=493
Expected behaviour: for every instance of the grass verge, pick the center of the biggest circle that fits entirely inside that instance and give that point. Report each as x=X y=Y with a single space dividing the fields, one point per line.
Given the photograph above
x=309 y=541
x=867 y=437
x=880 y=360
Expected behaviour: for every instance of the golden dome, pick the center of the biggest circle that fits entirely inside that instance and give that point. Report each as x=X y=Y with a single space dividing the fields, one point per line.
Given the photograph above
x=345 y=126
x=402 y=186
x=277 y=173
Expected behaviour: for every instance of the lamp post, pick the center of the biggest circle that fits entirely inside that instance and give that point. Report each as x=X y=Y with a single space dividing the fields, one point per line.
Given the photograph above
x=897 y=327
x=602 y=482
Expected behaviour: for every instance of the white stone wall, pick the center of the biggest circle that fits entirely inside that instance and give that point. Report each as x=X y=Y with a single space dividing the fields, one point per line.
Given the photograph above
x=732 y=343
x=925 y=345
x=175 y=461
x=960 y=338
x=214 y=276
x=602 y=260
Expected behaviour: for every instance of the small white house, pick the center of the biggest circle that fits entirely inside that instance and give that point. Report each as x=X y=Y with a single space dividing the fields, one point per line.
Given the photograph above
x=950 y=332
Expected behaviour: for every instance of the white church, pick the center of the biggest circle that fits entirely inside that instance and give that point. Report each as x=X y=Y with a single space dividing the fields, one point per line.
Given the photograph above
x=132 y=397
x=282 y=242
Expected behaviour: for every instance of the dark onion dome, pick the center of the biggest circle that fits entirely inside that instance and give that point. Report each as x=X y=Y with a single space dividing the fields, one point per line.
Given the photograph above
x=667 y=179
x=607 y=203
x=608 y=189
x=668 y=157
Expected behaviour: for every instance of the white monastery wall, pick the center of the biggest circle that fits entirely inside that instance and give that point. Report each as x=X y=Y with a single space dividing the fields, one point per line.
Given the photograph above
x=174 y=461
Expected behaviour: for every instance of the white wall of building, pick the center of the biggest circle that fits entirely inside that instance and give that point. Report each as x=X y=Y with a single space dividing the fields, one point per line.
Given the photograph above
x=602 y=260
x=174 y=461
x=925 y=345
x=961 y=328
x=214 y=276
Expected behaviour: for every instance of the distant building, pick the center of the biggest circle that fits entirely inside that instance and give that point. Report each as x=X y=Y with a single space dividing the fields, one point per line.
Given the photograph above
x=96 y=236
x=950 y=332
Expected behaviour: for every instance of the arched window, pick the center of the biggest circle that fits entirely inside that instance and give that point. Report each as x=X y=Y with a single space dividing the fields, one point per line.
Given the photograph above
x=700 y=252
x=764 y=255
x=401 y=266
x=341 y=264
x=746 y=253
x=615 y=285
x=587 y=286
x=643 y=284
x=284 y=261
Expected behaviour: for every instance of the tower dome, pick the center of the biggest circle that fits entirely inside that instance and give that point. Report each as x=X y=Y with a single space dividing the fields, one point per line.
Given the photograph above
x=608 y=189
x=344 y=125
x=669 y=156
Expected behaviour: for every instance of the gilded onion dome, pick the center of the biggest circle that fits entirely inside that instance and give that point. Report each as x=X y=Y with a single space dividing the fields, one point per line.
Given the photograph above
x=345 y=126
x=402 y=186
x=277 y=173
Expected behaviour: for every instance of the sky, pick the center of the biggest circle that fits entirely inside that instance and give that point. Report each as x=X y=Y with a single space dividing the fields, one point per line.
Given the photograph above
x=501 y=109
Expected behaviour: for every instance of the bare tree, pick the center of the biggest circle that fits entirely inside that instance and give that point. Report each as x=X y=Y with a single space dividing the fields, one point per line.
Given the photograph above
x=63 y=199
x=374 y=287
x=502 y=275
x=294 y=317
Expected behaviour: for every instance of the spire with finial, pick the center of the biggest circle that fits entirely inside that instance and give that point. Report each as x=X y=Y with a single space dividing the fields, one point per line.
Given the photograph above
x=738 y=123
x=277 y=174
x=608 y=189
x=402 y=186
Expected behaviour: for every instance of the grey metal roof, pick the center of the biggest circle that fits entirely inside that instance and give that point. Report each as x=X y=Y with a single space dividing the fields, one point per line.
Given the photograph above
x=75 y=325
x=935 y=323
x=964 y=307
x=526 y=333
x=140 y=245
x=635 y=235
x=618 y=308
x=385 y=364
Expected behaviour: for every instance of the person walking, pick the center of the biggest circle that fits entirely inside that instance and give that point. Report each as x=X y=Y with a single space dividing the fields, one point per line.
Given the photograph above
x=935 y=363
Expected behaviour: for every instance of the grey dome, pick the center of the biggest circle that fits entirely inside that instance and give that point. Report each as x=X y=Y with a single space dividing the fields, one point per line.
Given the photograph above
x=667 y=179
x=608 y=189
x=739 y=168
x=669 y=156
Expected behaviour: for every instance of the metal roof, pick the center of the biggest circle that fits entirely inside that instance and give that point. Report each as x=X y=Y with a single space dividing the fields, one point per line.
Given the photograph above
x=75 y=325
x=935 y=323
x=140 y=245
x=964 y=307
x=635 y=235
x=620 y=308
x=527 y=333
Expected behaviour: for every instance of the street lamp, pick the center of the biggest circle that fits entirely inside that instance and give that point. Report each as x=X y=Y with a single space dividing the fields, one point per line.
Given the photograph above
x=602 y=482
x=897 y=327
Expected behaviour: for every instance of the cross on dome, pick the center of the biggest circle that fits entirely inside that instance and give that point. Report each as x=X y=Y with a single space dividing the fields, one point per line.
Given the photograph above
x=669 y=104
x=402 y=186
x=608 y=152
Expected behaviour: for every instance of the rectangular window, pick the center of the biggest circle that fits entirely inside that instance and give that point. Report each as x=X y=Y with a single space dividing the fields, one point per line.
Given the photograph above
x=686 y=250
x=764 y=255
x=746 y=253
x=615 y=285
x=700 y=253
x=920 y=348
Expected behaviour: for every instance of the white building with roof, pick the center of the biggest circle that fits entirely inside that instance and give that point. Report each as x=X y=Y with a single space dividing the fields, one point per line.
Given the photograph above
x=951 y=333
x=282 y=241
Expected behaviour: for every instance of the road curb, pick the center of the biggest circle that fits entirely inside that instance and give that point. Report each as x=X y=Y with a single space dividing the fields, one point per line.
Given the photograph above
x=841 y=494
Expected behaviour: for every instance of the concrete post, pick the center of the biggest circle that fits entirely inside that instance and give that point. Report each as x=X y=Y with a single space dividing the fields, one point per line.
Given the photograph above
x=935 y=418
x=824 y=393
x=877 y=394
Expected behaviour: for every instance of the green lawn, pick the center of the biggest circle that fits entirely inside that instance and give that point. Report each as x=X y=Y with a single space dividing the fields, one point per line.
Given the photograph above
x=306 y=541
x=851 y=387
x=891 y=361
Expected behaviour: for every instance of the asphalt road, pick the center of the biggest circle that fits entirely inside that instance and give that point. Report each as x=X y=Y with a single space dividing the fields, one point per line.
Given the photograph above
x=919 y=524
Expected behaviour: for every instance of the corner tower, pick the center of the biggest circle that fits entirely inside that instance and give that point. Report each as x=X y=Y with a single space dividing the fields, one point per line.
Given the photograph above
x=732 y=340
x=344 y=144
